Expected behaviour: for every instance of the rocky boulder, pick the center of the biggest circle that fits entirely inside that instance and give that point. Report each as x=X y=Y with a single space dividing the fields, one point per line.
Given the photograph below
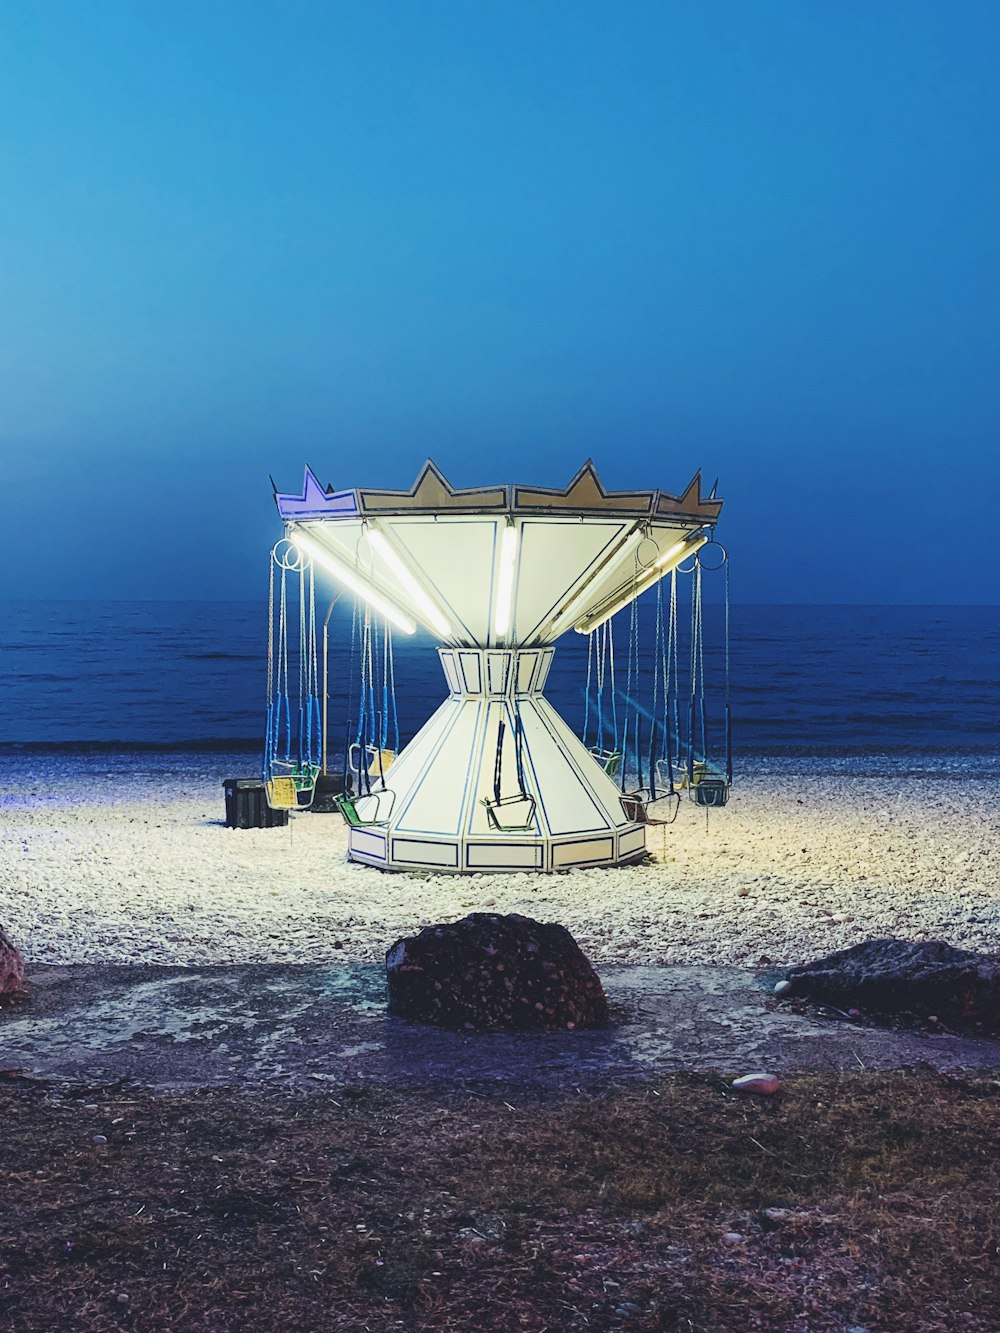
x=907 y=979
x=11 y=966
x=490 y=972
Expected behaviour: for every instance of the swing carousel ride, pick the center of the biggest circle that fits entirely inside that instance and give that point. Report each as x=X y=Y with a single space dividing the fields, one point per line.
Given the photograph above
x=495 y=780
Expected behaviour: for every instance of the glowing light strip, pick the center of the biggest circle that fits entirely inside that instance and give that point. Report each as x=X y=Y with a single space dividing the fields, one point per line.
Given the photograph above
x=670 y=559
x=599 y=579
x=410 y=586
x=345 y=575
x=505 y=581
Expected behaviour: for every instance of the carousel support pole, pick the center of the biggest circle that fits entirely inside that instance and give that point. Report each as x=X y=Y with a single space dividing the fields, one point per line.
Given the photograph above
x=326 y=673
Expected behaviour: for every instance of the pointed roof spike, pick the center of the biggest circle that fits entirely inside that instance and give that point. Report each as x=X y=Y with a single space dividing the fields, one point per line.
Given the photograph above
x=586 y=492
x=690 y=501
x=315 y=500
x=432 y=491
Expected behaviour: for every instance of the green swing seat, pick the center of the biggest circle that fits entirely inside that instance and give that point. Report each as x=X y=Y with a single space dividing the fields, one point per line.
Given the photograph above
x=348 y=805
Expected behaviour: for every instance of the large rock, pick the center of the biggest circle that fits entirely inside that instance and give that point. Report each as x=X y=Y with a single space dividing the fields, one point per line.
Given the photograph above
x=907 y=979
x=490 y=972
x=11 y=967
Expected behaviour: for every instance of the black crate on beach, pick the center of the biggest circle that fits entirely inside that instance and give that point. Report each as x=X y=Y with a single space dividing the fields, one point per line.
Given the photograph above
x=247 y=807
x=328 y=785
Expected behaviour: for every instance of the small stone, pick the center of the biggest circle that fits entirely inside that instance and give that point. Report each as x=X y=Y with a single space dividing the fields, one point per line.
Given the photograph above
x=98 y=1140
x=782 y=987
x=123 y=1298
x=768 y=1084
x=732 y=1238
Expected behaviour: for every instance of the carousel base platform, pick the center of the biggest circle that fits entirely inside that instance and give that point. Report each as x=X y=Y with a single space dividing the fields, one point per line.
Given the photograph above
x=391 y=851
x=495 y=736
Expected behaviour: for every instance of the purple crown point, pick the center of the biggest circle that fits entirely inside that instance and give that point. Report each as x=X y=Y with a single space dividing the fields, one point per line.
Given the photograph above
x=316 y=501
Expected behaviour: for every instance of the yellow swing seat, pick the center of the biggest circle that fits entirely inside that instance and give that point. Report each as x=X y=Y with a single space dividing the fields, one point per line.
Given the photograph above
x=292 y=791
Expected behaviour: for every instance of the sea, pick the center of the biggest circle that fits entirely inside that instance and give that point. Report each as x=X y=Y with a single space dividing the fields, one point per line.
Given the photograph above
x=917 y=685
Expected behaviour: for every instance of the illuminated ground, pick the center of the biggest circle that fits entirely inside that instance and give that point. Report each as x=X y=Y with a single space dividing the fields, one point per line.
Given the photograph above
x=124 y=859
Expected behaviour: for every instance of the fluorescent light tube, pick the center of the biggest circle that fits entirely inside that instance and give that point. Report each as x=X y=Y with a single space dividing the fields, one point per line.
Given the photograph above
x=347 y=576
x=410 y=586
x=670 y=559
x=505 y=582
x=598 y=580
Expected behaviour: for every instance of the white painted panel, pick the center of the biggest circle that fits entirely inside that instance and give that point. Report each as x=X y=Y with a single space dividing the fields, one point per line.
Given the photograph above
x=632 y=841
x=583 y=853
x=497 y=668
x=527 y=664
x=471 y=664
x=503 y=856
x=567 y=802
x=435 y=804
x=451 y=673
x=555 y=555
x=456 y=558
x=419 y=853
x=405 y=771
x=604 y=791
x=544 y=667
x=368 y=843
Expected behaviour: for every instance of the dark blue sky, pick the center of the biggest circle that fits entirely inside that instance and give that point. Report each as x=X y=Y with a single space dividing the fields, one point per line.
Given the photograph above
x=757 y=237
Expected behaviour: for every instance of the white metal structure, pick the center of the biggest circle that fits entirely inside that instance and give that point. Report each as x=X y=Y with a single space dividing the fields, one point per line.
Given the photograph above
x=496 y=574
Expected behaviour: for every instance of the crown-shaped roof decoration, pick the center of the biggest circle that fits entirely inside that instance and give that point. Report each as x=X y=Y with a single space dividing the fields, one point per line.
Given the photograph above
x=432 y=493
x=316 y=501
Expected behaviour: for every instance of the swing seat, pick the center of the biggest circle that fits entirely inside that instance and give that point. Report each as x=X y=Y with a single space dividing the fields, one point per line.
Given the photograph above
x=609 y=760
x=291 y=791
x=365 y=811
x=281 y=793
x=379 y=761
x=710 y=790
x=511 y=814
x=641 y=807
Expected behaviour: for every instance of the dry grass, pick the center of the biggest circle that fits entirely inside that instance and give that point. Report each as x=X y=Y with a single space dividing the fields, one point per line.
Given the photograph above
x=861 y=1201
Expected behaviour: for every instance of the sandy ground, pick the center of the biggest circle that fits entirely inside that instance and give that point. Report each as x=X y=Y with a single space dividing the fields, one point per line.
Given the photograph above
x=123 y=859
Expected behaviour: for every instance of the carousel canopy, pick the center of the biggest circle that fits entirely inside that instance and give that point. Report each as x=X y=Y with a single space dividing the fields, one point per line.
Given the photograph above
x=498 y=566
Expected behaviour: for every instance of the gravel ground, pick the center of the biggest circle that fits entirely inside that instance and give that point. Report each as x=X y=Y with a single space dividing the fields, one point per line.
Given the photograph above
x=125 y=858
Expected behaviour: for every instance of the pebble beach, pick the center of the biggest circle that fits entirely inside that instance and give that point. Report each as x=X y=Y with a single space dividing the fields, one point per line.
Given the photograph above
x=126 y=859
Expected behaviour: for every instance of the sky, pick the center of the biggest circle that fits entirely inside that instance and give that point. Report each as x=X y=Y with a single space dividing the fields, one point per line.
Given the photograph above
x=759 y=238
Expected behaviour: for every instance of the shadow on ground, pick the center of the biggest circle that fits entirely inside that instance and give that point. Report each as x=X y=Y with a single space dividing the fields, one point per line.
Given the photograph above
x=169 y=1027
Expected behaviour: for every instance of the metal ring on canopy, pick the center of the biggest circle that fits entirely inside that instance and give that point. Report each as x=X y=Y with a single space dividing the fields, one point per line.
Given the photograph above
x=640 y=560
x=286 y=555
x=699 y=555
